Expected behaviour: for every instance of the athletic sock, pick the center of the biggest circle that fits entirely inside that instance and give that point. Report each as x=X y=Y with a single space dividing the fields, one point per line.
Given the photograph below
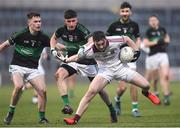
x=12 y=109
x=65 y=99
x=166 y=97
x=41 y=115
x=77 y=117
x=134 y=106
x=145 y=93
x=118 y=98
x=111 y=108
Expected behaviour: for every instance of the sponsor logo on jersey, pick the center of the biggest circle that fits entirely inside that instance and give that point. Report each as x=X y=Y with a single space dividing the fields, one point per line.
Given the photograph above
x=27 y=52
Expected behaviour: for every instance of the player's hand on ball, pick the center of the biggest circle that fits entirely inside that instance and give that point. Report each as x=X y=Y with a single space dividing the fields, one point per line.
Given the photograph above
x=61 y=57
x=136 y=56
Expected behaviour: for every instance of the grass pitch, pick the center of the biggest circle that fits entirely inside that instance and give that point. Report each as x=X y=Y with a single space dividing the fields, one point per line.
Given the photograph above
x=97 y=115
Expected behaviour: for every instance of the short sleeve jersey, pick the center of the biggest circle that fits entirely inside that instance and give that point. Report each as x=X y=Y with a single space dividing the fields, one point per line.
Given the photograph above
x=28 y=48
x=74 y=39
x=156 y=34
x=130 y=29
x=109 y=57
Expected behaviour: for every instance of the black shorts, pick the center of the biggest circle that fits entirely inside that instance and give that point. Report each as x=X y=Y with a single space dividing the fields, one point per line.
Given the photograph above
x=69 y=69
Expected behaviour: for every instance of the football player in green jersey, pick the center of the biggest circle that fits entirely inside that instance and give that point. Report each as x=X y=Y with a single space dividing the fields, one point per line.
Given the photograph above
x=28 y=45
x=74 y=35
x=125 y=26
x=157 y=39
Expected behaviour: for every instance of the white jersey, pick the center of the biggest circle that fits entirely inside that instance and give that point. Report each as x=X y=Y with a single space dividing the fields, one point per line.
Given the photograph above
x=109 y=64
x=108 y=58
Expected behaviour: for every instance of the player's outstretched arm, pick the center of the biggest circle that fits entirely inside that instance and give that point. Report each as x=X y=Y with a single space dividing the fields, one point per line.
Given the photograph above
x=53 y=41
x=73 y=58
x=167 y=38
x=4 y=45
x=148 y=43
x=131 y=43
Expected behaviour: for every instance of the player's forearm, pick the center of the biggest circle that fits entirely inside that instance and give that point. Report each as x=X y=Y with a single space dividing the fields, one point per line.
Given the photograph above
x=138 y=42
x=4 y=45
x=131 y=43
x=53 y=41
x=148 y=43
x=167 y=39
x=73 y=58
x=60 y=47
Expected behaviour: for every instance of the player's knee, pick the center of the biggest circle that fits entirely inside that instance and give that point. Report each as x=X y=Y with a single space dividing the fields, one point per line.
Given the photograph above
x=146 y=85
x=91 y=92
x=42 y=93
x=58 y=76
x=166 y=77
x=121 y=88
x=18 y=87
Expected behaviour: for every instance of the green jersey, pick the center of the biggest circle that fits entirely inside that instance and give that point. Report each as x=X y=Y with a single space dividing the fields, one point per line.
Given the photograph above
x=156 y=34
x=74 y=39
x=130 y=29
x=28 y=47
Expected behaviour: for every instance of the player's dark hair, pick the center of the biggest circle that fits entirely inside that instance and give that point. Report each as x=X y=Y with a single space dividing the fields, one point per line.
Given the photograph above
x=68 y=14
x=33 y=14
x=98 y=35
x=154 y=16
x=125 y=5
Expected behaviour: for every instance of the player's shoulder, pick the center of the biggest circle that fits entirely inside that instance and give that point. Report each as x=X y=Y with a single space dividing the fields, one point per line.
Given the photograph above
x=116 y=22
x=44 y=34
x=21 y=32
x=149 y=29
x=116 y=38
x=134 y=23
x=82 y=28
x=162 y=28
x=61 y=28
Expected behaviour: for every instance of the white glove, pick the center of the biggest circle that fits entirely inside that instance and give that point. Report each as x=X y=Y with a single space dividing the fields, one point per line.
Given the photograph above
x=54 y=52
x=61 y=57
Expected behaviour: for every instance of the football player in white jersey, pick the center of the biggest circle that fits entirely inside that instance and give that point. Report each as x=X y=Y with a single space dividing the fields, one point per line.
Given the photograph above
x=105 y=50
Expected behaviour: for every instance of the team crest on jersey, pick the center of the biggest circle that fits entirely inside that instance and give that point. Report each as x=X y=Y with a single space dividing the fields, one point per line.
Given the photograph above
x=158 y=33
x=131 y=30
x=33 y=42
x=70 y=37
x=125 y=30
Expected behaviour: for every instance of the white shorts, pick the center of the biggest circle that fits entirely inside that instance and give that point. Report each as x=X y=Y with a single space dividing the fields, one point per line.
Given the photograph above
x=153 y=62
x=27 y=73
x=132 y=65
x=84 y=70
x=121 y=72
x=41 y=69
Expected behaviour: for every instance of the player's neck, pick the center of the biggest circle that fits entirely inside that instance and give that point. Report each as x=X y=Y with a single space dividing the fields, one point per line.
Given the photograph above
x=124 y=21
x=33 y=32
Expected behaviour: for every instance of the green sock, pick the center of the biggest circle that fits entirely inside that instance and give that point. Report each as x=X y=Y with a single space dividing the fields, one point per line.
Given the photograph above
x=65 y=99
x=111 y=108
x=41 y=115
x=134 y=105
x=12 y=108
x=166 y=97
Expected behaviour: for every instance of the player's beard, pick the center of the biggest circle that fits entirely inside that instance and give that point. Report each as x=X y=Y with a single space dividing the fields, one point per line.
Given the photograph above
x=125 y=18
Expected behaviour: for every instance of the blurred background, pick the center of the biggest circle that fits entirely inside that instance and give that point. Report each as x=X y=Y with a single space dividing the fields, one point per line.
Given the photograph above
x=95 y=15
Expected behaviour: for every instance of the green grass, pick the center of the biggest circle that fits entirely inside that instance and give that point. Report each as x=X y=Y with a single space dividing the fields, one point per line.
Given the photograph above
x=97 y=114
